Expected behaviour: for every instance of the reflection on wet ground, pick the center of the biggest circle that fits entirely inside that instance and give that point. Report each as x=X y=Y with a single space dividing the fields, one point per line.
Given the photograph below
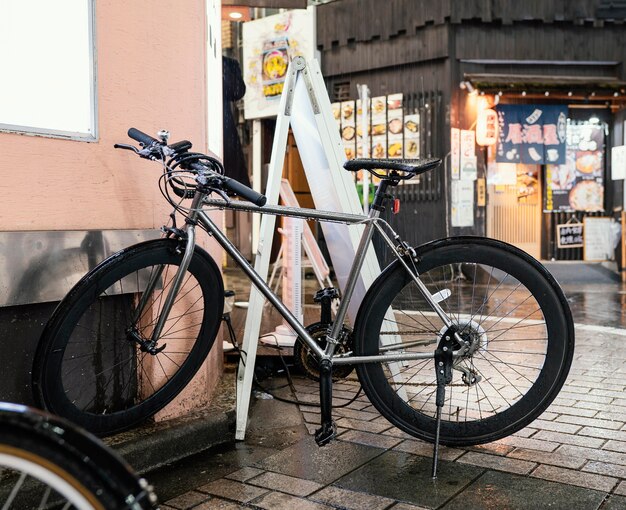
x=572 y=456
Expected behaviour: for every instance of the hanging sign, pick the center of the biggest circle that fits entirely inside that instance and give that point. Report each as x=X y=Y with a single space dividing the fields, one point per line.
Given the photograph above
x=618 y=162
x=462 y=204
x=455 y=154
x=268 y=45
x=469 y=169
x=487 y=127
x=531 y=134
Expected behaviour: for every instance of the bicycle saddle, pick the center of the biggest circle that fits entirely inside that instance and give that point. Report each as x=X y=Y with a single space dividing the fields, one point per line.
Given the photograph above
x=413 y=166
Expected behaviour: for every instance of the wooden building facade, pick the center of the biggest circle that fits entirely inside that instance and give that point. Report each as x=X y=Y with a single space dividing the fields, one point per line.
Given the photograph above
x=442 y=54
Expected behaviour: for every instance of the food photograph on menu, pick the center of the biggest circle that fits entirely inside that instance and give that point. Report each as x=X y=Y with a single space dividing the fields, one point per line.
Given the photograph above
x=578 y=185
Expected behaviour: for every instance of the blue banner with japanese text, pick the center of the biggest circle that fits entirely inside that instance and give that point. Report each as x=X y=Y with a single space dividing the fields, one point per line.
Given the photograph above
x=531 y=134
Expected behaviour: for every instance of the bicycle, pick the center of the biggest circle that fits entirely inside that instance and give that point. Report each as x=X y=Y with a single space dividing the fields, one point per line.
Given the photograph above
x=46 y=462
x=459 y=341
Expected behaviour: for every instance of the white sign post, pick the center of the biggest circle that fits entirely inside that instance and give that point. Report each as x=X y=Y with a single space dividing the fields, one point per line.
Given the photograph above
x=305 y=105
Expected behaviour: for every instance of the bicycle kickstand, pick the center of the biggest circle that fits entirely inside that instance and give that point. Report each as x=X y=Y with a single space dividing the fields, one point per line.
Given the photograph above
x=443 y=370
x=328 y=430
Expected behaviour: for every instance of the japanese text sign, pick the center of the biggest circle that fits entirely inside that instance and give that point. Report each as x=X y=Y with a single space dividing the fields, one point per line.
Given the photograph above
x=531 y=134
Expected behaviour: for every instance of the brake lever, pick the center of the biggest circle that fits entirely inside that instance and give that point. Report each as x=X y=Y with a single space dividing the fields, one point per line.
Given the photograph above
x=126 y=147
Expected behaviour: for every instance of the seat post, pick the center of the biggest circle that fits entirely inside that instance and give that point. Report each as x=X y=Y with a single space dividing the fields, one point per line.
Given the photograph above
x=381 y=195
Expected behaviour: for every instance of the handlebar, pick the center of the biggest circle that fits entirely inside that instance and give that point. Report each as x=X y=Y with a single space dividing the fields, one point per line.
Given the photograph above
x=141 y=137
x=156 y=149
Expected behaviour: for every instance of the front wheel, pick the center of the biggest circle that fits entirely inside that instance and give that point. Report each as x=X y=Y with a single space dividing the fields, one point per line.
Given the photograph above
x=508 y=308
x=94 y=363
x=47 y=463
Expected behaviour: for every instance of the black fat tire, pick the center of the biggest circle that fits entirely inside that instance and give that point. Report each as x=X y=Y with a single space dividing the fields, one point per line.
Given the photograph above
x=49 y=358
x=558 y=357
x=56 y=446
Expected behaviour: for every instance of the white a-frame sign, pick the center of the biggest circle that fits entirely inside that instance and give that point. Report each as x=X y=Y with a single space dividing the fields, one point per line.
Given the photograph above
x=305 y=106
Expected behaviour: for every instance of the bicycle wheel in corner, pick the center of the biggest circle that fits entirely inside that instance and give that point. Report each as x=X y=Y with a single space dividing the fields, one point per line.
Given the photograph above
x=504 y=303
x=48 y=463
x=92 y=363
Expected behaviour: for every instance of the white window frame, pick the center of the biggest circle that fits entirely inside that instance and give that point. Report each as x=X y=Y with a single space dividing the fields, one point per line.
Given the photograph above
x=93 y=107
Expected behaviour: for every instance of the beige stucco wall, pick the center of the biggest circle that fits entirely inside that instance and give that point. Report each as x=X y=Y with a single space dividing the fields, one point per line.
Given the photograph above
x=151 y=74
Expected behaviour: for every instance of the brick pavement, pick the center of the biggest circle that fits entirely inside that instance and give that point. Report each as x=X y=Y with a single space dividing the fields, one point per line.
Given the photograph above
x=574 y=456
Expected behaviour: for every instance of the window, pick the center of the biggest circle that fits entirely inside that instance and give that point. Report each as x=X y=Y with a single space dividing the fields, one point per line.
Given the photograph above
x=47 y=58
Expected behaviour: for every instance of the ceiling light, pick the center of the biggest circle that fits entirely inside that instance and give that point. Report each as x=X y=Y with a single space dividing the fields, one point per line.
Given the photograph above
x=235 y=15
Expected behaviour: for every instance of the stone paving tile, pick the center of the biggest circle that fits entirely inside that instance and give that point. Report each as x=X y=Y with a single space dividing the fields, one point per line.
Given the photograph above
x=548 y=458
x=618 y=435
x=232 y=490
x=497 y=490
x=566 y=398
x=405 y=477
x=350 y=500
x=591 y=422
x=605 y=468
x=406 y=506
x=608 y=393
x=593 y=454
x=323 y=465
x=424 y=449
x=621 y=488
x=311 y=417
x=219 y=504
x=589 y=405
x=187 y=500
x=346 y=412
x=493 y=448
x=395 y=432
x=364 y=426
x=526 y=432
x=579 y=478
x=589 y=413
x=280 y=501
x=284 y=483
x=567 y=428
x=244 y=474
x=366 y=438
x=615 y=446
x=614 y=503
x=530 y=443
x=611 y=415
x=558 y=437
x=517 y=466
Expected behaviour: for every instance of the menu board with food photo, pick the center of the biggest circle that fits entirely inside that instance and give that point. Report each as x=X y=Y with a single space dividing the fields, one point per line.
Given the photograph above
x=578 y=185
x=394 y=102
x=411 y=136
x=348 y=128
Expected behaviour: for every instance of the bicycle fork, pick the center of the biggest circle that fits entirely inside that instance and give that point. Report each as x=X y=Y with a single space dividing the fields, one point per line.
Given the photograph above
x=151 y=345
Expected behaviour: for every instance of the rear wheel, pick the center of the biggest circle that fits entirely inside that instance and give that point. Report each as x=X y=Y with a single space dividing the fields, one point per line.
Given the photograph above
x=93 y=365
x=504 y=304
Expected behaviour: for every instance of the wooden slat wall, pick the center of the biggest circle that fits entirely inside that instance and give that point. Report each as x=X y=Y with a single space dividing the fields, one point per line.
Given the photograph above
x=561 y=42
x=384 y=19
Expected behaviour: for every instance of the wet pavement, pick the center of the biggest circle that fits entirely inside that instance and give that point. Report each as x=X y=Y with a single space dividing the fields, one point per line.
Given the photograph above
x=572 y=457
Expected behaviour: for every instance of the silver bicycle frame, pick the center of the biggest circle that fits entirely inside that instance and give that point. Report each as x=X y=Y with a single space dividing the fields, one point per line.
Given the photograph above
x=370 y=222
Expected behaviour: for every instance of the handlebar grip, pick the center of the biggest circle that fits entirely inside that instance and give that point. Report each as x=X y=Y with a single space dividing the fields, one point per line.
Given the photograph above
x=243 y=191
x=141 y=137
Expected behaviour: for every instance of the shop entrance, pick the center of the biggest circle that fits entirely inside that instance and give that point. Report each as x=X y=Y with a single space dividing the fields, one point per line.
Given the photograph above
x=514 y=211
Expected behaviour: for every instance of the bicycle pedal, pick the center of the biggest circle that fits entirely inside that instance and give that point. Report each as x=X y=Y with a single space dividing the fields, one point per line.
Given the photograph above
x=326 y=433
